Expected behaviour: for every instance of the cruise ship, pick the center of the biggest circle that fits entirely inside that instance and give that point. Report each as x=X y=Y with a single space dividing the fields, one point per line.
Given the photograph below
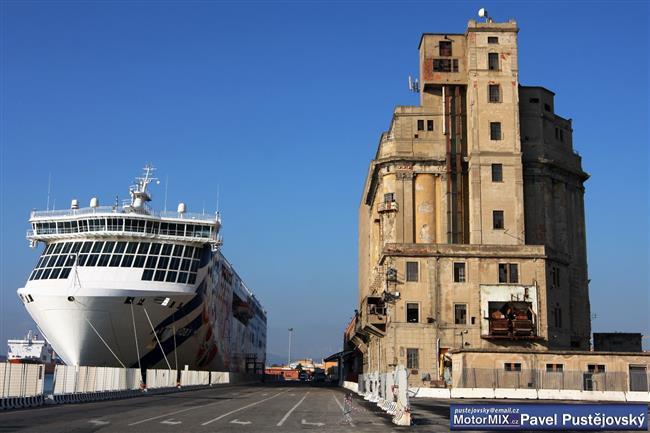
x=125 y=286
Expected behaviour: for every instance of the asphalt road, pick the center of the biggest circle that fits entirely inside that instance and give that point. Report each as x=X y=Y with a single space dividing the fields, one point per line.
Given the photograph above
x=285 y=407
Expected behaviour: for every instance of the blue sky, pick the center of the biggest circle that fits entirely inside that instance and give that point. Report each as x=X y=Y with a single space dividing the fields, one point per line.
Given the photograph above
x=281 y=105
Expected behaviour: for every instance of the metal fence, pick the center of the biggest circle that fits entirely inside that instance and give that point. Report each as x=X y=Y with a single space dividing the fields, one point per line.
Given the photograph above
x=540 y=379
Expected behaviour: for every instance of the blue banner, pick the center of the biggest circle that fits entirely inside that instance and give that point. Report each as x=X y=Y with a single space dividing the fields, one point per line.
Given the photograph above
x=594 y=417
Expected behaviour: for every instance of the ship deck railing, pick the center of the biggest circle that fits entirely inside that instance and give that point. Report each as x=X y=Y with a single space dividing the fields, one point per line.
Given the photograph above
x=111 y=210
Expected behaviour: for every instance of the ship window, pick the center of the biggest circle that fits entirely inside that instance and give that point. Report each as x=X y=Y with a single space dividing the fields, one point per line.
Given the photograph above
x=82 y=259
x=70 y=260
x=178 y=250
x=64 y=273
x=120 y=247
x=151 y=261
x=115 y=260
x=167 y=249
x=197 y=253
x=195 y=265
x=51 y=261
x=38 y=274
x=175 y=263
x=133 y=246
x=49 y=249
x=192 y=279
x=92 y=260
x=155 y=249
x=108 y=247
x=182 y=277
x=66 y=247
x=31 y=277
x=171 y=277
x=163 y=262
x=76 y=247
x=97 y=248
x=160 y=276
x=57 y=248
x=185 y=266
x=55 y=273
x=189 y=251
x=139 y=262
x=143 y=248
x=60 y=261
x=103 y=260
x=128 y=260
x=40 y=262
x=147 y=275
x=46 y=274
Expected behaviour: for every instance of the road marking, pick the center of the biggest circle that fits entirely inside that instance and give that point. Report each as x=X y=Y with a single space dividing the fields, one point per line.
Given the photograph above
x=242 y=408
x=318 y=424
x=166 y=415
x=236 y=421
x=286 y=415
x=99 y=422
x=338 y=402
x=170 y=422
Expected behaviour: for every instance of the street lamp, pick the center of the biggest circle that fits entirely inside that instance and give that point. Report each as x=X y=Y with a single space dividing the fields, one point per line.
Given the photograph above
x=289 y=359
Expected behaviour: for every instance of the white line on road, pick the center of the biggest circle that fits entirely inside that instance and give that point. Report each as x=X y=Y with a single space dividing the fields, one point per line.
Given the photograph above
x=242 y=408
x=338 y=402
x=170 y=422
x=318 y=424
x=286 y=415
x=98 y=422
x=236 y=421
x=178 y=411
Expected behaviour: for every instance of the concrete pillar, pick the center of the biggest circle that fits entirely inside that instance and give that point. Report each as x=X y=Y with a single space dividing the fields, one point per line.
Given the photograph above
x=425 y=208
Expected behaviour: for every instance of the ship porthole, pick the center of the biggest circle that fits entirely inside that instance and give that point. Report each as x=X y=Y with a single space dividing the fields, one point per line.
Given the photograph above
x=71 y=298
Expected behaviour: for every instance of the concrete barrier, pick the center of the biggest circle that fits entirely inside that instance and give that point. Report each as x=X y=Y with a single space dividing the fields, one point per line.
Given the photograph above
x=21 y=385
x=429 y=392
x=472 y=392
x=352 y=386
x=637 y=397
x=517 y=393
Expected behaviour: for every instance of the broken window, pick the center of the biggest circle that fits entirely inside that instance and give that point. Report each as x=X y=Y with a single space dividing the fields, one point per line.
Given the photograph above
x=412 y=313
x=495 y=130
x=460 y=314
x=445 y=48
x=493 y=40
x=459 y=272
x=497 y=173
x=494 y=93
x=512 y=366
x=554 y=368
x=493 y=61
x=429 y=125
x=445 y=65
x=497 y=219
x=420 y=125
x=412 y=359
x=411 y=271
x=508 y=273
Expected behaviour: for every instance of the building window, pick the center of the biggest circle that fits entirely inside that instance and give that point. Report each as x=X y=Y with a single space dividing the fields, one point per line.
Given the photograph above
x=412 y=359
x=497 y=173
x=459 y=272
x=429 y=125
x=562 y=136
x=557 y=316
x=512 y=366
x=412 y=313
x=497 y=219
x=534 y=100
x=389 y=197
x=445 y=48
x=555 y=277
x=460 y=314
x=495 y=130
x=547 y=107
x=494 y=93
x=493 y=40
x=493 y=61
x=596 y=368
x=554 y=368
x=445 y=65
x=508 y=273
x=411 y=271
x=420 y=125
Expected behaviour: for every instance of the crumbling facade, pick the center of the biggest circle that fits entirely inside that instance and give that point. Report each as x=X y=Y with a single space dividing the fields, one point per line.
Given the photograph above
x=471 y=223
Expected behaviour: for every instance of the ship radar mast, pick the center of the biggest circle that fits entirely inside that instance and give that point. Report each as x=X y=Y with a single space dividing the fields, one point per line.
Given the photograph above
x=139 y=194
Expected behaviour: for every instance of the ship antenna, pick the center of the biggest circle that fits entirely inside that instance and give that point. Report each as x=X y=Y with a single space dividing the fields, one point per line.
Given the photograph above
x=49 y=187
x=166 y=186
x=218 y=190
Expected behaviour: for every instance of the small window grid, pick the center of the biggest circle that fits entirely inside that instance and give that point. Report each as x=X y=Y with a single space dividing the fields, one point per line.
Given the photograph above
x=412 y=312
x=497 y=220
x=412 y=271
x=508 y=273
x=495 y=130
x=494 y=93
x=460 y=314
x=459 y=272
x=512 y=366
x=497 y=172
x=163 y=261
x=412 y=358
x=493 y=40
x=493 y=61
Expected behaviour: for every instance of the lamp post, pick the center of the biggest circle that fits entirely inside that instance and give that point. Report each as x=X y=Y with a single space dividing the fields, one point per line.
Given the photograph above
x=289 y=358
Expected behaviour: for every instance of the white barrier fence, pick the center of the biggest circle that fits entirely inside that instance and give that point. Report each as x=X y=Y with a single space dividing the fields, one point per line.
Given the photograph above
x=21 y=385
x=389 y=391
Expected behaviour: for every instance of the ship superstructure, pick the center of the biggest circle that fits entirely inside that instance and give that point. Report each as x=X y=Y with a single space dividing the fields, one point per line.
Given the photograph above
x=128 y=286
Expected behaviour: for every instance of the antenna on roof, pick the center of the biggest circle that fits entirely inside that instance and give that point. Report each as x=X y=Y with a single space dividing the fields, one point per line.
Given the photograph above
x=217 y=198
x=414 y=85
x=483 y=13
x=166 y=185
x=49 y=187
